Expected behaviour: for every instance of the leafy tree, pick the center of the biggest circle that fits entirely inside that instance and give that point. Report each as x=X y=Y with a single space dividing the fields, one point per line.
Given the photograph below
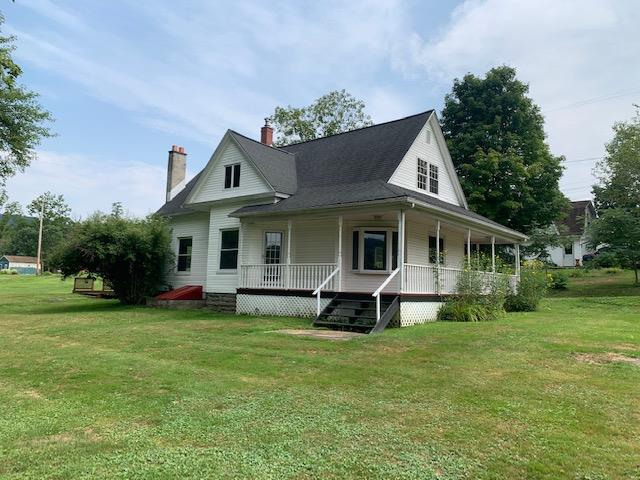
x=23 y=122
x=335 y=112
x=23 y=233
x=495 y=134
x=130 y=254
x=618 y=172
x=11 y=213
x=619 y=229
x=541 y=239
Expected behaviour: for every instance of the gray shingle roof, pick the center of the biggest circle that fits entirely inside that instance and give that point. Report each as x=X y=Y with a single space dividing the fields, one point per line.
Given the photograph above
x=277 y=166
x=176 y=205
x=574 y=221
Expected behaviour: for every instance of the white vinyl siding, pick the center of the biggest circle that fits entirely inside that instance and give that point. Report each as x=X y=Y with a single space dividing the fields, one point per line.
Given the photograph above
x=406 y=175
x=195 y=226
x=212 y=186
x=221 y=281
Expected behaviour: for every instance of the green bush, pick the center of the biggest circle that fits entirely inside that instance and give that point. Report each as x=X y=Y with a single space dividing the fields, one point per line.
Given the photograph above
x=531 y=289
x=478 y=298
x=612 y=270
x=605 y=259
x=559 y=280
x=130 y=254
x=8 y=271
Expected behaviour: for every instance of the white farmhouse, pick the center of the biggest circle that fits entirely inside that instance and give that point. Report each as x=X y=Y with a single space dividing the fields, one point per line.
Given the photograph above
x=574 y=226
x=351 y=228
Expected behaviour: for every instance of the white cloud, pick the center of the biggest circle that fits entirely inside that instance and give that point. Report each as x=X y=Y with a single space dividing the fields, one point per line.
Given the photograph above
x=91 y=183
x=568 y=51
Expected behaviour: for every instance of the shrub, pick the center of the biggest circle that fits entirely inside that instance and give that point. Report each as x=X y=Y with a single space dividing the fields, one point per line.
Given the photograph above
x=478 y=298
x=559 y=280
x=612 y=270
x=8 y=271
x=531 y=289
x=130 y=254
x=605 y=259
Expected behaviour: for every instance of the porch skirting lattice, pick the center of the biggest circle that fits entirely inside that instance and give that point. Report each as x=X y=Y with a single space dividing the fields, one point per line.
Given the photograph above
x=285 y=305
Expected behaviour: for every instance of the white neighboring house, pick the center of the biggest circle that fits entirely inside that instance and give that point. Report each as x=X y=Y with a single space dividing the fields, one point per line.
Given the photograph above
x=575 y=226
x=349 y=226
x=19 y=263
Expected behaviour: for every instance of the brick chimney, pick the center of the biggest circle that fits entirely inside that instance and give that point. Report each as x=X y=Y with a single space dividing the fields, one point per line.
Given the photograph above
x=266 y=133
x=176 y=171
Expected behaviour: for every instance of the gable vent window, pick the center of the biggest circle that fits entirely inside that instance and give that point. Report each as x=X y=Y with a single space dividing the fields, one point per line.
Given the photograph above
x=422 y=174
x=433 y=179
x=232 y=176
x=427 y=136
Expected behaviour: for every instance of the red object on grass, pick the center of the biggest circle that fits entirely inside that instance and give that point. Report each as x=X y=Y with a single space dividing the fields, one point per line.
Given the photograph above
x=188 y=292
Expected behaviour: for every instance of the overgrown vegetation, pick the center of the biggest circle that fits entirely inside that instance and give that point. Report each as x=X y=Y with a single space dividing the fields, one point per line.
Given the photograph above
x=530 y=290
x=479 y=297
x=130 y=254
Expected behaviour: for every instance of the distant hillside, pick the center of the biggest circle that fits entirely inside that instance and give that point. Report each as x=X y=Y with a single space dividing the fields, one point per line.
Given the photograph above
x=14 y=218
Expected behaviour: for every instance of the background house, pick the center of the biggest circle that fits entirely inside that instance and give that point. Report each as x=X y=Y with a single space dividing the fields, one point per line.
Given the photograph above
x=574 y=226
x=23 y=265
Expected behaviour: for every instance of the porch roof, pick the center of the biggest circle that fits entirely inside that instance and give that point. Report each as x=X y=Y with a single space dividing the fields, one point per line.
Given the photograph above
x=366 y=193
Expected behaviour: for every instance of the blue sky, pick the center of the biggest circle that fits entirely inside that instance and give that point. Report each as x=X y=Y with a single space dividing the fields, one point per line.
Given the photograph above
x=127 y=79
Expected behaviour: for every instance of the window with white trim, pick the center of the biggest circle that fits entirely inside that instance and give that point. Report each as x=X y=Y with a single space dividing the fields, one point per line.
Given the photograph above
x=374 y=249
x=232 y=176
x=423 y=172
x=427 y=135
x=433 y=178
x=229 y=240
x=433 y=248
x=184 y=254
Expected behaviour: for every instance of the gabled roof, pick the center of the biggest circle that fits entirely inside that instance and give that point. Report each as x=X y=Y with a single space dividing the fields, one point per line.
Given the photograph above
x=362 y=155
x=20 y=259
x=574 y=221
x=276 y=166
x=369 y=154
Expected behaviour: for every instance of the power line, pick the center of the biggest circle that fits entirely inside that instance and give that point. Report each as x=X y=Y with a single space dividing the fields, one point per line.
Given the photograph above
x=589 y=101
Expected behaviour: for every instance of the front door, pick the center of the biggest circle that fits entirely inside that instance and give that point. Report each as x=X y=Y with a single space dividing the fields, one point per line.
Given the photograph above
x=272 y=256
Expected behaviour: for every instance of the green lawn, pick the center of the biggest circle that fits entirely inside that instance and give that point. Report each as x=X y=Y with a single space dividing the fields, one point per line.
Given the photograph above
x=91 y=389
x=598 y=283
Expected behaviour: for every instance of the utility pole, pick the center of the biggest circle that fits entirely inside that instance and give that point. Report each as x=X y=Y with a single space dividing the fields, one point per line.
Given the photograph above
x=39 y=265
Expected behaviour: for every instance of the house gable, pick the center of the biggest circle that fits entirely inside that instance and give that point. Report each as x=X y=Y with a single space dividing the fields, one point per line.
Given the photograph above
x=430 y=146
x=211 y=182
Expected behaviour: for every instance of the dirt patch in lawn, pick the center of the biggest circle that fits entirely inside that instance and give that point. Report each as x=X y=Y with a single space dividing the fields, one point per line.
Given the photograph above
x=607 y=357
x=322 y=334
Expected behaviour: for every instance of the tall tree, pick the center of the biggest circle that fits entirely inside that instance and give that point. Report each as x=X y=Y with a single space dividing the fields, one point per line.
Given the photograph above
x=57 y=224
x=495 y=134
x=335 y=112
x=23 y=122
x=618 y=173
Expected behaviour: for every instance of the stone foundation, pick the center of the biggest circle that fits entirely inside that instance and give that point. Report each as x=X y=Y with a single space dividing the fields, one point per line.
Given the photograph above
x=221 y=302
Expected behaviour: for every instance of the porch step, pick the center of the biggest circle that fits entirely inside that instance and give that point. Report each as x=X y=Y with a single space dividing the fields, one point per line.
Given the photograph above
x=357 y=313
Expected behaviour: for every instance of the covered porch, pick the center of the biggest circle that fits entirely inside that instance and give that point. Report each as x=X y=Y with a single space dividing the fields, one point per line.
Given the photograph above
x=358 y=251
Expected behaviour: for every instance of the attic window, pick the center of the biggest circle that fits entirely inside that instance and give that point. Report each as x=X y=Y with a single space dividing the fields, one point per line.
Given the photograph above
x=232 y=176
x=422 y=174
x=427 y=135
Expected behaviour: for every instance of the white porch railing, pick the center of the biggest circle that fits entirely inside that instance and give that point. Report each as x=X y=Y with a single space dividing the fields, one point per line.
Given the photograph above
x=377 y=293
x=430 y=279
x=295 y=276
x=318 y=291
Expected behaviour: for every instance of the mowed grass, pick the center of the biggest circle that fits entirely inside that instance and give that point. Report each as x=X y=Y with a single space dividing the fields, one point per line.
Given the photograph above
x=91 y=389
x=599 y=283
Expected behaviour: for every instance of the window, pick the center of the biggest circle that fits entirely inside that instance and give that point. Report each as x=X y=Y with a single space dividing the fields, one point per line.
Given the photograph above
x=433 y=179
x=568 y=249
x=184 y=254
x=232 y=176
x=272 y=247
x=427 y=135
x=375 y=250
x=394 y=250
x=355 y=250
x=229 y=249
x=422 y=174
x=433 y=253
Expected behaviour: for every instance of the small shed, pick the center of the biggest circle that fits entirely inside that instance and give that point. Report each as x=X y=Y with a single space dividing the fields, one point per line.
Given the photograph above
x=22 y=264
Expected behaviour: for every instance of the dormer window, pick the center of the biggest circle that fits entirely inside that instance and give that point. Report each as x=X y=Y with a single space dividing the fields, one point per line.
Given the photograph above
x=423 y=172
x=232 y=176
x=433 y=179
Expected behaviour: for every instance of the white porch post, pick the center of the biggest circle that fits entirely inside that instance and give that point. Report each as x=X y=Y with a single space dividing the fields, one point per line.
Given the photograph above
x=438 y=256
x=518 y=260
x=289 y=228
x=493 y=254
x=339 y=261
x=469 y=249
x=401 y=222
x=240 y=259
